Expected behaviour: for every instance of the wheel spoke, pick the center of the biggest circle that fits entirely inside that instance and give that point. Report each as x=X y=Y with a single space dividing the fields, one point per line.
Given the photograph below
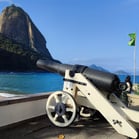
x=65 y=118
x=51 y=107
x=56 y=99
x=64 y=99
x=55 y=117
x=69 y=109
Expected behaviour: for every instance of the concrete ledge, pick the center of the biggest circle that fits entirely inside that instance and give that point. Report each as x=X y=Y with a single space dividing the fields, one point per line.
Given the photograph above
x=17 y=109
x=24 y=98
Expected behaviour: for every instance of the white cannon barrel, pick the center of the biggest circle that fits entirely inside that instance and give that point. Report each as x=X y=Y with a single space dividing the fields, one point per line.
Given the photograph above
x=102 y=80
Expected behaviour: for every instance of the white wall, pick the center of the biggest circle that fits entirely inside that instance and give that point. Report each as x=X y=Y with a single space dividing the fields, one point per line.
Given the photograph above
x=16 y=112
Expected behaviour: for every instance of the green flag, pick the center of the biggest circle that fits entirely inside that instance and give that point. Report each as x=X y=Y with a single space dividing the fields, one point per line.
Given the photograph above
x=132 y=39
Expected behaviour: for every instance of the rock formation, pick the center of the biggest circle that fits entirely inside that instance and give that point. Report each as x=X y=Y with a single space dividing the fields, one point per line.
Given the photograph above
x=16 y=25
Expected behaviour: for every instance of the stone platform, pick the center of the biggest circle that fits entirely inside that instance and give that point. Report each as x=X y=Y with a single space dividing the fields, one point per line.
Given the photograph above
x=42 y=128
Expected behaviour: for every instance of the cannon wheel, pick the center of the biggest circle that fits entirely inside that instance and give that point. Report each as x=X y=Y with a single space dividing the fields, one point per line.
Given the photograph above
x=61 y=108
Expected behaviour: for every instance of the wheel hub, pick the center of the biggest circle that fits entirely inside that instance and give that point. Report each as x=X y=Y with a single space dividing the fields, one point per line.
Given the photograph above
x=60 y=109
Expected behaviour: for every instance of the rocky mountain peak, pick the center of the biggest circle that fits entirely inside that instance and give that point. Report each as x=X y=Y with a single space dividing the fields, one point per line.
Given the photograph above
x=16 y=24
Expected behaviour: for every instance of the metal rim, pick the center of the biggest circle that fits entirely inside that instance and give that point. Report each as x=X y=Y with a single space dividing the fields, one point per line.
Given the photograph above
x=61 y=108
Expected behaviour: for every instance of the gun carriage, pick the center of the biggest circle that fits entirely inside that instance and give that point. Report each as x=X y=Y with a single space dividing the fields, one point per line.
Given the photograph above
x=89 y=88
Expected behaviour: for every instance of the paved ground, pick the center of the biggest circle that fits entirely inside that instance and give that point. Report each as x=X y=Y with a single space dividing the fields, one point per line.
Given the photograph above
x=43 y=129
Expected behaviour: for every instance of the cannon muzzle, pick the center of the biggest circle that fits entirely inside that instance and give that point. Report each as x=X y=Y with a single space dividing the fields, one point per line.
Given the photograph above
x=102 y=80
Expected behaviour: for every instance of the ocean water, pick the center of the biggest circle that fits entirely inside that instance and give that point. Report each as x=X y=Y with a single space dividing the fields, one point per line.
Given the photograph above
x=122 y=78
x=31 y=83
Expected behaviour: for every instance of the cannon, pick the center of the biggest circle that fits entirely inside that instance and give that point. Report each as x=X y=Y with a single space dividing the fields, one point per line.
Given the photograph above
x=92 y=89
x=102 y=80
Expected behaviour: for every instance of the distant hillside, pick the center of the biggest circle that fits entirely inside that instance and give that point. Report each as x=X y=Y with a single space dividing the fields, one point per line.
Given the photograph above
x=121 y=72
x=93 y=66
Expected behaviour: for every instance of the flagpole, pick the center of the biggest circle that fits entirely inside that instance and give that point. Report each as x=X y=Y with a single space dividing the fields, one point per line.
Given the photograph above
x=134 y=79
x=132 y=42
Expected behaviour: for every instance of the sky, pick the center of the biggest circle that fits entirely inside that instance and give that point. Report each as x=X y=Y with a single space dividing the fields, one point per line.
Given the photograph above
x=87 y=31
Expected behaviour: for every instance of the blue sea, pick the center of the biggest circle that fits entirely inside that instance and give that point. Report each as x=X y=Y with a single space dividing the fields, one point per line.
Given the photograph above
x=31 y=83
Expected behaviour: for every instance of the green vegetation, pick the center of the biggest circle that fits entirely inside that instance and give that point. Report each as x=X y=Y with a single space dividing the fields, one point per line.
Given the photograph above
x=136 y=89
x=14 y=55
x=17 y=48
